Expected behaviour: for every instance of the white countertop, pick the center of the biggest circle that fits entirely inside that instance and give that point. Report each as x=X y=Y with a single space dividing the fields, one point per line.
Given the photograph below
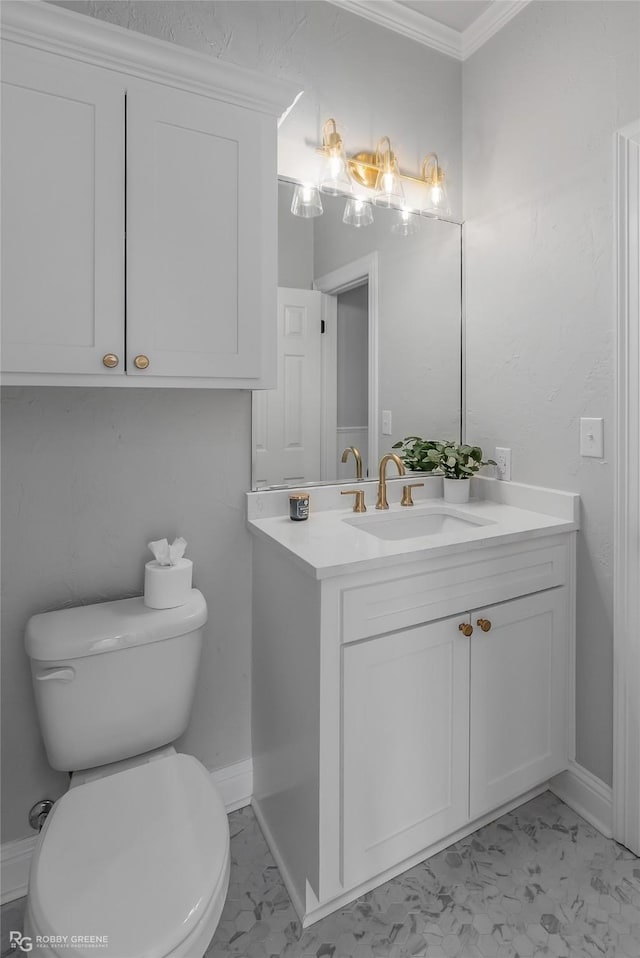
x=325 y=545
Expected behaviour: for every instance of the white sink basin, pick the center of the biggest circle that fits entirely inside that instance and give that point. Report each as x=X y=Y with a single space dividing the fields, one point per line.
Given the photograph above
x=414 y=523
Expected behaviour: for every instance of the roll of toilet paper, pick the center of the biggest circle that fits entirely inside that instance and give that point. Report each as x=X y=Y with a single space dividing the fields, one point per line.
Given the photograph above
x=167 y=586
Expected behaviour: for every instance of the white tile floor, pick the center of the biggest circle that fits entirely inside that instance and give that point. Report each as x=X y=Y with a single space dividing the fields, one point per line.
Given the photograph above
x=538 y=881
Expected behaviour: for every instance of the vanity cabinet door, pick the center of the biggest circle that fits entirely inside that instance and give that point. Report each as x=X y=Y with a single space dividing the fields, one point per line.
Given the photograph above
x=405 y=745
x=201 y=223
x=62 y=215
x=519 y=679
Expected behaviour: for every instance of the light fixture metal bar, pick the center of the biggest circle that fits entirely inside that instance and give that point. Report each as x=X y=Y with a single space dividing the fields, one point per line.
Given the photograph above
x=364 y=169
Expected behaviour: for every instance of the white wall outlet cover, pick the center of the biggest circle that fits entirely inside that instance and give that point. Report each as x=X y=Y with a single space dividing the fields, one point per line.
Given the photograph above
x=386 y=422
x=503 y=463
x=592 y=438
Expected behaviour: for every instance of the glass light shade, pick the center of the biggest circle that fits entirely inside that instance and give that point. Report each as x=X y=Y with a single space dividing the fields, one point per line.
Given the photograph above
x=437 y=201
x=357 y=212
x=406 y=223
x=306 y=201
x=335 y=176
x=389 y=191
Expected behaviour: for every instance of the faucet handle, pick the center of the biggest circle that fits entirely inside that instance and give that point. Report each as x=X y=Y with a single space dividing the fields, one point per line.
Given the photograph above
x=358 y=505
x=406 y=493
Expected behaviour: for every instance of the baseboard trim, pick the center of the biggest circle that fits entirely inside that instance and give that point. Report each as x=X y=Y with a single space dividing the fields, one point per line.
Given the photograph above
x=587 y=795
x=292 y=889
x=234 y=782
x=15 y=861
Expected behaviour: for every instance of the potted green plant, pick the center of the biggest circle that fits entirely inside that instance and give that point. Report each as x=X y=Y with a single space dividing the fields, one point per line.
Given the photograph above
x=456 y=463
x=417 y=453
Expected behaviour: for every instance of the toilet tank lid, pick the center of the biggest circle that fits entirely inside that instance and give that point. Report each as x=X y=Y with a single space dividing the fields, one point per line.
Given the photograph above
x=108 y=627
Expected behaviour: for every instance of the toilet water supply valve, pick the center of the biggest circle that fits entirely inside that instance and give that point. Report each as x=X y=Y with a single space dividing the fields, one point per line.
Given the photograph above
x=38 y=813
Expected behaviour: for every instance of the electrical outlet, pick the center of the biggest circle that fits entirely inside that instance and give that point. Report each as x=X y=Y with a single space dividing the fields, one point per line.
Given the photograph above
x=386 y=422
x=503 y=467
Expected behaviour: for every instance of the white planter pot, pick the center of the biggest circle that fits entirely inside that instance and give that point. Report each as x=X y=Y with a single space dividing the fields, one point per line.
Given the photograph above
x=456 y=490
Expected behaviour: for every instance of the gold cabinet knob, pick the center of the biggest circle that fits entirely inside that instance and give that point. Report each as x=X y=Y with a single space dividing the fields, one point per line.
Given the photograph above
x=485 y=625
x=110 y=360
x=141 y=362
x=466 y=628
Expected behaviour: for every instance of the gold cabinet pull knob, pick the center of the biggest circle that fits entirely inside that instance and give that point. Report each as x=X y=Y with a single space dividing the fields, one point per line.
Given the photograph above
x=485 y=625
x=110 y=360
x=141 y=362
x=466 y=628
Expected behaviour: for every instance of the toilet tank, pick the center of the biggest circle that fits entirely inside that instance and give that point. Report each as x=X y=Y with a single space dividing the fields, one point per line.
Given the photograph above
x=115 y=679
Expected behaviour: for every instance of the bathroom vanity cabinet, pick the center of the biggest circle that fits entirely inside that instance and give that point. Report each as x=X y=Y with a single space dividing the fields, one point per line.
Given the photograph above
x=139 y=184
x=397 y=709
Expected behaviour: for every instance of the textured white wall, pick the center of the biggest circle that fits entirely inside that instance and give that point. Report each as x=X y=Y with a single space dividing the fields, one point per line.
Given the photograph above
x=373 y=82
x=541 y=102
x=91 y=475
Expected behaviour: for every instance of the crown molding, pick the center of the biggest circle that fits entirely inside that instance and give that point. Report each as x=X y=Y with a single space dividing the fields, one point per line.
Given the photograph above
x=454 y=43
x=85 y=38
x=393 y=16
x=489 y=23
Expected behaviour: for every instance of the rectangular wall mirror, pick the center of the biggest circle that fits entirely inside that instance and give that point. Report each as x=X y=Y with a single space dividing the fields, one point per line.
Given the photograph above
x=369 y=342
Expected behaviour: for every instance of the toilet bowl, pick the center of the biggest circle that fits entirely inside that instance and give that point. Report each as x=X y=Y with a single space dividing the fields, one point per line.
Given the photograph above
x=132 y=865
x=133 y=862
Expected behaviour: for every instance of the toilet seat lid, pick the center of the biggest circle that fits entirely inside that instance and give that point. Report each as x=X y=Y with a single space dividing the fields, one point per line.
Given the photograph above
x=137 y=856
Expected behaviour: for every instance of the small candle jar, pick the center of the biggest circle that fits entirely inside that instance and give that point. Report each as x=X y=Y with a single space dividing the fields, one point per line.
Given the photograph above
x=299 y=506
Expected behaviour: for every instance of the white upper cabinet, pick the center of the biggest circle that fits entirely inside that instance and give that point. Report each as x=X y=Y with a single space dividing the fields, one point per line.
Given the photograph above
x=200 y=220
x=170 y=279
x=62 y=214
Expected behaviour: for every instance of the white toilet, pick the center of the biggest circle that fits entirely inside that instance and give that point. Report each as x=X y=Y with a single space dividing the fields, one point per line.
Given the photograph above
x=133 y=861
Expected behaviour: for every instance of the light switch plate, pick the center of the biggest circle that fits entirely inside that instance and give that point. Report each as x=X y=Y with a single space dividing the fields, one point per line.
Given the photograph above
x=592 y=438
x=386 y=422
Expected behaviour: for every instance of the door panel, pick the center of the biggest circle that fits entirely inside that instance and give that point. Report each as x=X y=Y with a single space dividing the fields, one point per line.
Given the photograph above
x=62 y=214
x=518 y=698
x=405 y=745
x=286 y=420
x=195 y=243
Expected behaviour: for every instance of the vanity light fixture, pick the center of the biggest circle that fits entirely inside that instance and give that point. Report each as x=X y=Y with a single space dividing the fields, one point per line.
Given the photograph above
x=406 y=222
x=306 y=201
x=378 y=172
x=357 y=212
x=437 y=192
x=389 y=191
x=335 y=177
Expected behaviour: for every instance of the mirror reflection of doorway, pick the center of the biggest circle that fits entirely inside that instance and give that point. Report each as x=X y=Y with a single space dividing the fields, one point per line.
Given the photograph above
x=352 y=375
x=286 y=420
x=315 y=408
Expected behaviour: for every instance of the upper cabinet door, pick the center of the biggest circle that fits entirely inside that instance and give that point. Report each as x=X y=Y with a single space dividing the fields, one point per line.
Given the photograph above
x=62 y=214
x=201 y=251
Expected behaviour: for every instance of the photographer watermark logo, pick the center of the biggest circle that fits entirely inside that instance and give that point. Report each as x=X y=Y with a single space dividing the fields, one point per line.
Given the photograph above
x=21 y=942
x=18 y=940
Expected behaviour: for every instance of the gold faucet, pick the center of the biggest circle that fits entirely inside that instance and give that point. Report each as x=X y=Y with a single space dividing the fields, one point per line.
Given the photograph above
x=356 y=456
x=382 y=485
